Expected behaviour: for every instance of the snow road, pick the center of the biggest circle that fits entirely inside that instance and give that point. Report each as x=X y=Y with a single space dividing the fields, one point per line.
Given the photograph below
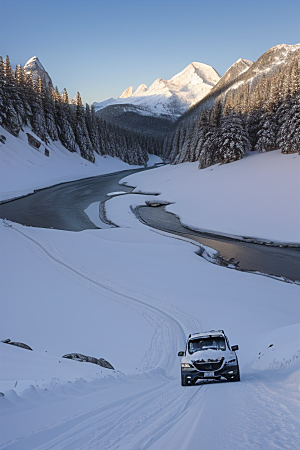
x=149 y=410
x=136 y=294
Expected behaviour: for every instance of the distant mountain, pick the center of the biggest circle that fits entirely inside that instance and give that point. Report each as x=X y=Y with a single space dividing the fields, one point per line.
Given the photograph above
x=273 y=60
x=239 y=67
x=254 y=106
x=171 y=97
x=136 y=119
x=34 y=66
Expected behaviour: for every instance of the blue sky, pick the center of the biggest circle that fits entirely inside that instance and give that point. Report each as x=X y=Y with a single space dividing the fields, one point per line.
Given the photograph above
x=101 y=47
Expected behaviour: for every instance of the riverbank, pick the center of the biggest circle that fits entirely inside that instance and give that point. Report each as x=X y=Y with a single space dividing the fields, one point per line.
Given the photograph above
x=257 y=197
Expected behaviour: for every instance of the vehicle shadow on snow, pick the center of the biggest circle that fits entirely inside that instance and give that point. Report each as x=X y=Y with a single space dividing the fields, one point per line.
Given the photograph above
x=200 y=383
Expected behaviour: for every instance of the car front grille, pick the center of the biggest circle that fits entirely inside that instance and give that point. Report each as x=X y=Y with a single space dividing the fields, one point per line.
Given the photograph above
x=208 y=366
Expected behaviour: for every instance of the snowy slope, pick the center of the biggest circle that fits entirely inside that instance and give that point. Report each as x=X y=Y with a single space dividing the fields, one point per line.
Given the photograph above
x=174 y=96
x=135 y=307
x=250 y=197
x=244 y=70
x=24 y=169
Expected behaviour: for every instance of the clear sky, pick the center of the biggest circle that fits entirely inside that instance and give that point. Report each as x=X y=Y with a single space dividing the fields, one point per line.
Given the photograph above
x=101 y=47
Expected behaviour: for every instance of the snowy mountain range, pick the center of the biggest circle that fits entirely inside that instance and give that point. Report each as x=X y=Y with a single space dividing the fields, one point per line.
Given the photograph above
x=170 y=97
x=244 y=71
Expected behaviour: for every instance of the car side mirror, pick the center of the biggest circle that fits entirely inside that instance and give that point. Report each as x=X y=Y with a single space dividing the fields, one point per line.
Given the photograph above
x=234 y=348
x=180 y=353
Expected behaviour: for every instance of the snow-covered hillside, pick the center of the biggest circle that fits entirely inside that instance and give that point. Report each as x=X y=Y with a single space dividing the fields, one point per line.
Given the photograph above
x=172 y=97
x=250 y=197
x=24 y=169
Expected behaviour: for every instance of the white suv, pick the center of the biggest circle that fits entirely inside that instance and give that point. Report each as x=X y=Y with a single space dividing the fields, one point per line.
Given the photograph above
x=208 y=355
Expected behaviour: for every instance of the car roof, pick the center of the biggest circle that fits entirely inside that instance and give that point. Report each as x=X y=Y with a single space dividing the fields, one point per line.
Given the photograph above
x=207 y=334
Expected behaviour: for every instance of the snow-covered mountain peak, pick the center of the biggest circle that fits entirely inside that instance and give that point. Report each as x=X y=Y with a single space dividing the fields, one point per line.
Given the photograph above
x=174 y=96
x=237 y=68
x=196 y=73
x=35 y=67
x=33 y=63
x=127 y=93
x=142 y=88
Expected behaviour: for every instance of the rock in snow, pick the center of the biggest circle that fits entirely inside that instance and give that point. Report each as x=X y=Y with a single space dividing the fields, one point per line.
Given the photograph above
x=82 y=358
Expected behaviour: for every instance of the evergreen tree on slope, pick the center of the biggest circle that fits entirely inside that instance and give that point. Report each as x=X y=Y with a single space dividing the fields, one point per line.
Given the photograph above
x=10 y=100
x=65 y=131
x=210 y=148
x=234 y=140
x=267 y=131
x=289 y=114
x=81 y=133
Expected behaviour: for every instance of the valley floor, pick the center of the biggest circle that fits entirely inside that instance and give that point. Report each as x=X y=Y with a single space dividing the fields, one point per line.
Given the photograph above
x=131 y=295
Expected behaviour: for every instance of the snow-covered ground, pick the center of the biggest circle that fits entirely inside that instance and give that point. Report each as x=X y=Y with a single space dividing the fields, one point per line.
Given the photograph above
x=24 y=169
x=258 y=196
x=131 y=295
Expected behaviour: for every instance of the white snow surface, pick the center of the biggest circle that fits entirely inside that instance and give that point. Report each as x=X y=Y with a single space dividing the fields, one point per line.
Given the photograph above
x=131 y=295
x=258 y=196
x=173 y=96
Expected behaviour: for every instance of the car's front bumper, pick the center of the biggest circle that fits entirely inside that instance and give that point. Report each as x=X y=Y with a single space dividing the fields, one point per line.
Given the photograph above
x=192 y=375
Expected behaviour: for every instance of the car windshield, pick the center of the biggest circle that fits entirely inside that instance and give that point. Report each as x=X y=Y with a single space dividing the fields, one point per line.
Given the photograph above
x=214 y=343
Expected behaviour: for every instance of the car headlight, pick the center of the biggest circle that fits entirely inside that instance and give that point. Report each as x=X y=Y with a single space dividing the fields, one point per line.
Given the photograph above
x=186 y=365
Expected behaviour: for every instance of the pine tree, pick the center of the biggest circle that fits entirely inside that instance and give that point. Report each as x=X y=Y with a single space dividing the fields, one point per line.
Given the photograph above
x=234 y=140
x=267 y=133
x=2 y=101
x=49 y=109
x=288 y=114
x=253 y=116
x=175 y=144
x=202 y=130
x=210 y=149
x=10 y=100
x=289 y=131
x=64 y=128
x=21 y=105
x=38 y=121
x=92 y=127
x=186 y=147
x=166 y=147
x=267 y=129
x=80 y=131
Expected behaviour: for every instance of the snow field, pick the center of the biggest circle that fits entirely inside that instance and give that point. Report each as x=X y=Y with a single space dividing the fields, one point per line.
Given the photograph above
x=131 y=295
x=257 y=196
x=135 y=307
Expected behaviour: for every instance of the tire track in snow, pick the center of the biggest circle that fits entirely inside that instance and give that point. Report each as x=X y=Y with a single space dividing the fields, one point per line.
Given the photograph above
x=136 y=422
x=136 y=417
x=170 y=323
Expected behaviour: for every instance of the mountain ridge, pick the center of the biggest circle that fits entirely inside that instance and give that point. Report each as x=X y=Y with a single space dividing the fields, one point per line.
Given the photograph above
x=171 y=97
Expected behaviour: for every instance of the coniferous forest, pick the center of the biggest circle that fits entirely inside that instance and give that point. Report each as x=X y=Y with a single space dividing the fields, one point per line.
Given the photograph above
x=261 y=115
x=51 y=115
